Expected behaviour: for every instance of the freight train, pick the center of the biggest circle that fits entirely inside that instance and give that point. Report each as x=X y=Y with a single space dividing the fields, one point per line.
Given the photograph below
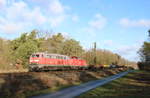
x=45 y=61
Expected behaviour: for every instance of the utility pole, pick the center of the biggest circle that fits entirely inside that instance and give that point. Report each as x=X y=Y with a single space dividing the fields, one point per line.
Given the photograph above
x=149 y=35
x=148 y=54
x=95 y=59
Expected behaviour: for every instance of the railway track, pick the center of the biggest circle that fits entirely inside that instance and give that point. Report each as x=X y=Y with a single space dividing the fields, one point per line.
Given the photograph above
x=56 y=71
x=35 y=75
x=25 y=76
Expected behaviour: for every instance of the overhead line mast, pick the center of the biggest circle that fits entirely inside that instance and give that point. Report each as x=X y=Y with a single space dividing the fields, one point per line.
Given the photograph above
x=95 y=59
x=149 y=36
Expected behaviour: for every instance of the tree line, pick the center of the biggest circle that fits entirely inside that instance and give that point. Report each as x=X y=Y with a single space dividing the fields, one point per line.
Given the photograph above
x=144 y=53
x=15 y=53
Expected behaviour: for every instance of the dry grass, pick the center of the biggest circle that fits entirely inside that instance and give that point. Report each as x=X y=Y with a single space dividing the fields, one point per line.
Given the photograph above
x=20 y=85
x=134 y=85
x=13 y=71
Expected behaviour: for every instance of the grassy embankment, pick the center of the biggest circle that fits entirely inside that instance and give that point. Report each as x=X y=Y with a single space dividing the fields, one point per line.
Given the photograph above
x=21 y=85
x=133 y=85
x=12 y=70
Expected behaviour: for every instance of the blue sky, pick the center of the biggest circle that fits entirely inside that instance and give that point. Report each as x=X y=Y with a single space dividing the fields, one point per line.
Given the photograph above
x=117 y=25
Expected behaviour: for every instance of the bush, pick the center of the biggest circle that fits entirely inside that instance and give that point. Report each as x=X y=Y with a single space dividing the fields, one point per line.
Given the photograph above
x=144 y=65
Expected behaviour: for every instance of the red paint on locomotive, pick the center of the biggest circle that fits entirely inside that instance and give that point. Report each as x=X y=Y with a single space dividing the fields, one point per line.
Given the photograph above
x=44 y=59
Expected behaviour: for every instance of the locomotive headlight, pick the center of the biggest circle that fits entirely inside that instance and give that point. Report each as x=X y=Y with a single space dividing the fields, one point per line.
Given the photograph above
x=36 y=60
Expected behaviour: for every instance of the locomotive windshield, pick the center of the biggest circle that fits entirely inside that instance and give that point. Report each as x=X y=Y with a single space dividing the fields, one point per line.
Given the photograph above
x=75 y=57
x=35 y=55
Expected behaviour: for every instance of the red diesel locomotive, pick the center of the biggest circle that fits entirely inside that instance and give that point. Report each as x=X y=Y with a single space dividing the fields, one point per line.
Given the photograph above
x=45 y=61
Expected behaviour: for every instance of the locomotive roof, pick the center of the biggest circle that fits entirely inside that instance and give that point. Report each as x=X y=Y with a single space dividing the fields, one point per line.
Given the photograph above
x=55 y=54
x=50 y=54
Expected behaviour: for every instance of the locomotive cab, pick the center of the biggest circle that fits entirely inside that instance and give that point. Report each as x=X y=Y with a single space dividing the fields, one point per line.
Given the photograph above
x=35 y=60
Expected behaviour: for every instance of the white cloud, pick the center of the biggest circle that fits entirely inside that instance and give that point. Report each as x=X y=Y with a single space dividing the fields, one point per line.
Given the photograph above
x=98 y=22
x=36 y=16
x=108 y=43
x=11 y=27
x=18 y=16
x=55 y=11
x=56 y=7
x=126 y=50
x=129 y=51
x=20 y=11
x=2 y=20
x=125 y=22
x=75 y=18
x=95 y=25
x=2 y=2
x=56 y=21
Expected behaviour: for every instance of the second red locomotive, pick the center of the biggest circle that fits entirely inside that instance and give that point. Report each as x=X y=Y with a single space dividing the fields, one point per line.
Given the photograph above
x=45 y=61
